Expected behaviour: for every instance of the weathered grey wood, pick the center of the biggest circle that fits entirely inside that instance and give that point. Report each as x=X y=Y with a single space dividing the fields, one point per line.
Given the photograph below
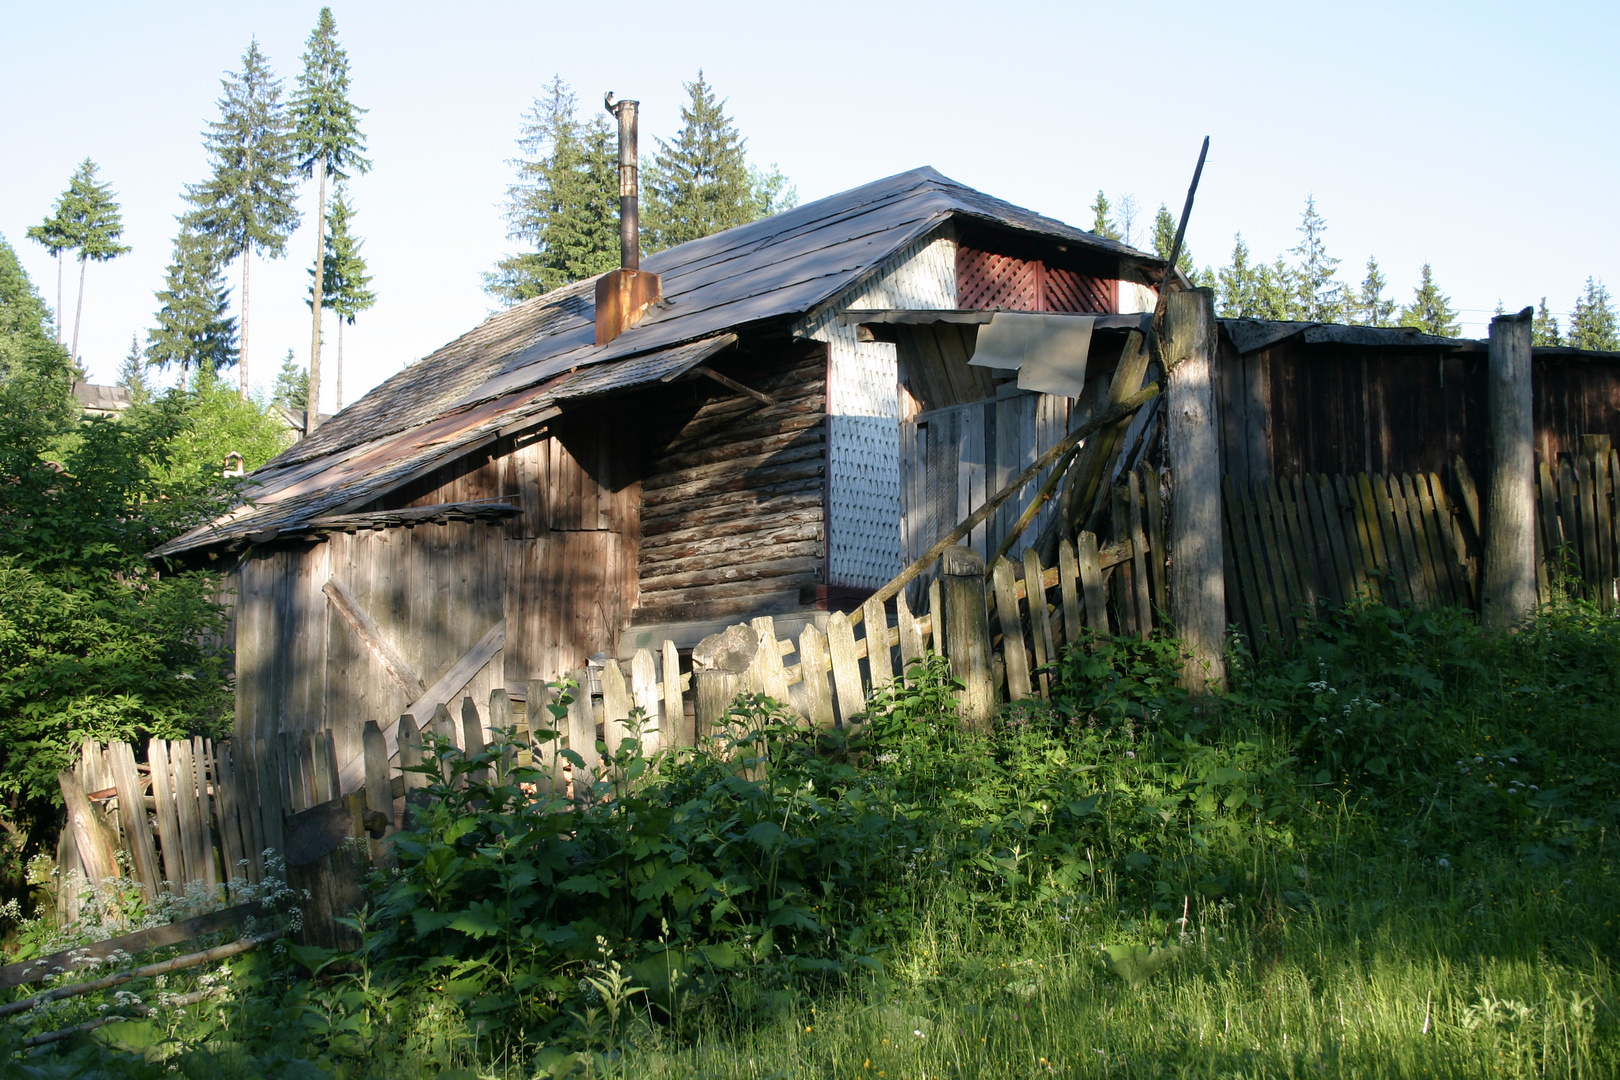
x=1153 y=513
x=1091 y=581
x=616 y=705
x=132 y=814
x=443 y=725
x=1008 y=617
x=410 y=755
x=1509 y=594
x=878 y=661
x=1121 y=591
x=1329 y=573
x=249 y=807
x=1586 y=513
x=94 y=843
x=582 y=725
x=379 y=785
x=500 y=728
x=1139 y=561
x=472 y=738
x=813 y=666
x=193 y=826
x=1197 y=583
x=1069 y=583
x=1040 y=621
x=1388 y=489
x=644 y=692
x=911 y=634
x=1325 y=505
x=168 y=817
x=1603 y=518
x=372 y=637
x=846 y=668
x=765 y=674
x=227 y=817
x=714 y=690
x=936 y=618
x=677 y=732
x=273 y=807
x=965 y=612
x=1256 y=624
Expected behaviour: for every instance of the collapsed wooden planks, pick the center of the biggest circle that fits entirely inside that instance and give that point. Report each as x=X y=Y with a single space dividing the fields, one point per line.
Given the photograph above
x=1295 y=544
x=1577 y=529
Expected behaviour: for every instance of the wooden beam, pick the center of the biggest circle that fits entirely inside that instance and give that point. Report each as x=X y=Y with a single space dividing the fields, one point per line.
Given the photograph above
x=29 y=971
x=733 y=384
x=365 y=627
x=1197 y=572
x=1509 y=595
x=353 y=774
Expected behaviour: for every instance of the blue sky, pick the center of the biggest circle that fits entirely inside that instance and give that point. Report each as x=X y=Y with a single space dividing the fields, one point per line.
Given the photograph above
x=1478 y=137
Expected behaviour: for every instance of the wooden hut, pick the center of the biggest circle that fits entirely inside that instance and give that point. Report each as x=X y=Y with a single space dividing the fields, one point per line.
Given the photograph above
x=525 y=498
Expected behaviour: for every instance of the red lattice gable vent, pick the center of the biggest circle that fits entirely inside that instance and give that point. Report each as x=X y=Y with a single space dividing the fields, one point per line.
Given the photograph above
x=986 y=281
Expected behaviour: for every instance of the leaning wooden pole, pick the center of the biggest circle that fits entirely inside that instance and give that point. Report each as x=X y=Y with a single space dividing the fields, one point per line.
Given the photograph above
x=1197 y=571
x=1509 y=595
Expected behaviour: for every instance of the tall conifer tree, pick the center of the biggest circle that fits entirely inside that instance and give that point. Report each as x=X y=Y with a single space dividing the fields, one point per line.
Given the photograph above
x=86 y=220
x=1102 y=221
x=1318 y=295
x=56 y=235
x=1371 y=307
x=1592 y=323
x=246 y=205
x=1237 y=284
x=701 y=183
x=193 y=328
x=292 y=384
x=565 y=203
x=1164 y=238
x=132 y=372
x=327 y=142
x=1430 y=309
x=347 y=285
x=26 y=338
x=1545 y=330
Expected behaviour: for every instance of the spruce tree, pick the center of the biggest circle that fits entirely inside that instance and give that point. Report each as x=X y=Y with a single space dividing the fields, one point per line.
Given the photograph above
x=246 y=205
x=327 y=142
x=1318 y=295
x=26 y=337
x=565 y=203
x=346 y=286
x=57 y=235
x=1592 y=323
x=1430 y=310
x=1164 y=238
x=773 y=191
x=292 y=384
x=193 y=328
x=1370 y=307
x=1275 y=292
x=1545 y=330
x=1102 y=223
x=97 y=227
x=1237 y=284
x=132 y=372
x=701 y=183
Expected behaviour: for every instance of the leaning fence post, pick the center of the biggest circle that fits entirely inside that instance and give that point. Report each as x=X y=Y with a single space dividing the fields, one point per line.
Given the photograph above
x=1197 y=565
x=1509 y=595
x=967 y=631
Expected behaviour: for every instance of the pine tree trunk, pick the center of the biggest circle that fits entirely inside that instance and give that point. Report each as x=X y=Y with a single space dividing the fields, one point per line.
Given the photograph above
x=242 y=354
x=312 y=411
x=339 y=372
x=59 y=298
x=78 y=313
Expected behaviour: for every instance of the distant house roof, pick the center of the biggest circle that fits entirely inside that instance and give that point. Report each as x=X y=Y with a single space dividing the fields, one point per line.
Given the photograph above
x=102 y=400
x=521 y=362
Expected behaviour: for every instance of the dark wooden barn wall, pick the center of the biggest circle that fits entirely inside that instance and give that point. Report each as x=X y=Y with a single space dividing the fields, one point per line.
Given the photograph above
x=1574 y=397
x=733 y=490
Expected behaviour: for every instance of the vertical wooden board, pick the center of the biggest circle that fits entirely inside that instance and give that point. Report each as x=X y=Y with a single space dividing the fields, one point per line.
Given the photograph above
x=268 y=768
x=1122 y=593
x=817 y=694
x=936 y=620
x=132 y=814
x=1603 y=520
x=1091 y=582
x=676 y=728
x=1285 y=582
x=409 y=741
x=1256 y=622
x=379 y=783
x=1386 y=540
x=1069 y=586
x=1012 y=631
x=1337 y=499
x=1153 y=511
x=1275 y=624
x=1139 y=555
x=1325 y=506
x=95 y=842
x=1301 y=547
x=1439 y=543
x=1569 y=560
x=1552 y=539
x=1329 y=575
x=186 y=803
x=1426 y=541
x=1375 y=560
x=911 y=637
x=848 y=692
x=879 y=662
x=501 y=731
x=250 y=806
x=976 y=432
x=165 y=800
x=644 y=692
x=1455 y=543
x=1587 y=487
x=1040 y=620
x=472 y=737
x=616 y=704
x=1409 y=522
x=227 y=831
x=581 y=725
x=1388 y=491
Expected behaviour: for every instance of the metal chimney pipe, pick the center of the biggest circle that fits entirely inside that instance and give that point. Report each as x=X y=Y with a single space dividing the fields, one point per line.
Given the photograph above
x=629 y=185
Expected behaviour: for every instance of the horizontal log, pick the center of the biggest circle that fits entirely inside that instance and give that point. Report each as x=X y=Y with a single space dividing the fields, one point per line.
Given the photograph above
x=758 y=519
x=733 y=563
x=730 y=506
x=774 y=443
x=772 y=534
x=758 y=464
x=765 y=568
x=690 y=605
x=764 y=481
x=157 y=937
x=728 y=409
x=810 y=419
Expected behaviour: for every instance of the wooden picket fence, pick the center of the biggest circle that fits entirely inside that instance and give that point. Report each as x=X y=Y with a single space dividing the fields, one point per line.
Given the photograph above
x=1578 y=527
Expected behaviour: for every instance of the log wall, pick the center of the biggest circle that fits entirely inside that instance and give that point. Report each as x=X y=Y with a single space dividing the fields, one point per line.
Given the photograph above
x=732 y=500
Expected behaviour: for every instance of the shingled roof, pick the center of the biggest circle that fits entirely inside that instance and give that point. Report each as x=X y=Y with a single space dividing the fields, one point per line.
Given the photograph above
x=518 y=364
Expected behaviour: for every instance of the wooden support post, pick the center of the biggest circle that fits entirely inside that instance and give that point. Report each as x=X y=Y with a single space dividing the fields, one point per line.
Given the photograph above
x=1509 y=595
x=1197 y=580
x=379 y=785
x=966 y=618
x=676 y=732
x=715 y=689
x=582 y=728
x=95 y=846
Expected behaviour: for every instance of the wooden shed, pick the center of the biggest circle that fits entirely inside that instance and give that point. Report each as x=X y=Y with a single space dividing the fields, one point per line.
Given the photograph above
x=525 y=498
